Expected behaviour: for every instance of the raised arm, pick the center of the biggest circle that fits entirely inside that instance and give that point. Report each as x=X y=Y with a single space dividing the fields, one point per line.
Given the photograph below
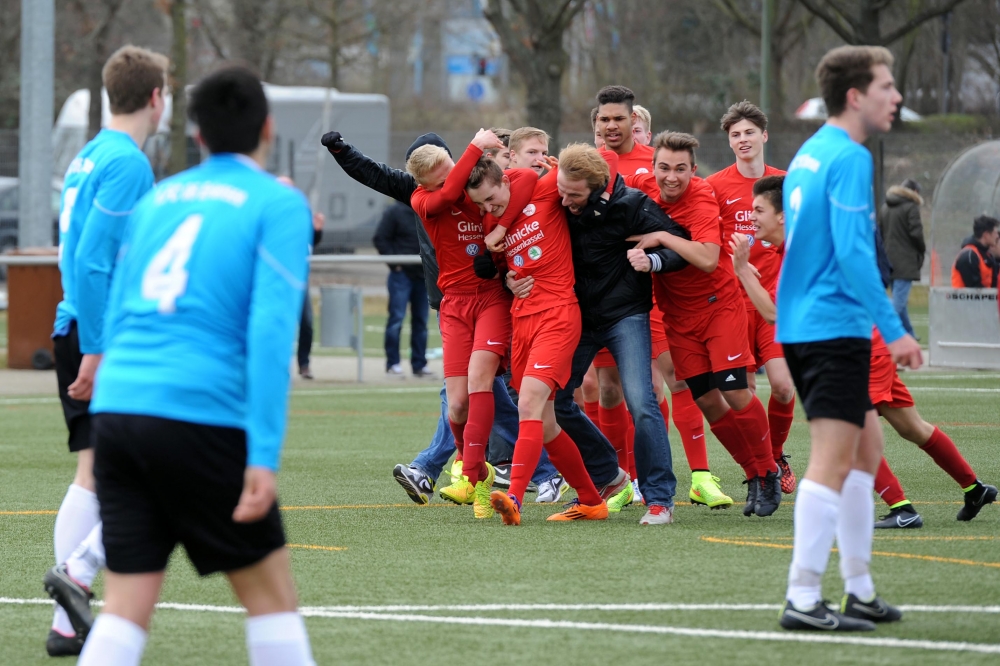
x=748 y=275
x=393 y=183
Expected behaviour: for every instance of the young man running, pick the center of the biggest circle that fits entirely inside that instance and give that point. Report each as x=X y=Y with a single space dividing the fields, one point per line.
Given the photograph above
x=191 y=399
x=101 y=188
x=705 y=317
x=746 y=127
x=829 y=293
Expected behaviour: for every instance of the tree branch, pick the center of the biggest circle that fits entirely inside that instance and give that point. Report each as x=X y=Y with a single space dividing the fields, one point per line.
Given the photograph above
x=845 y=16
x=822 y=14
x=729 y=8
x=919 y=19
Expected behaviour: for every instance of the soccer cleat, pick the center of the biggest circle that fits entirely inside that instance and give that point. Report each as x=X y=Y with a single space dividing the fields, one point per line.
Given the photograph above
x=975 y=499
x=417 y=485
x=552 y=490
x=750 y=506
x=72 y=596
x=576 y=511
x=705 y=490
x=902 y=517
x=58 y=645
x=502 y=479
x=768 y=494
x=460 y=491
x=788 y=480
x=616 y=486
x=481 y=506
x=658 y=515
x=622 y=499
x=507 y=506
x=875 y=610
x=820 y=618
x=638 y=493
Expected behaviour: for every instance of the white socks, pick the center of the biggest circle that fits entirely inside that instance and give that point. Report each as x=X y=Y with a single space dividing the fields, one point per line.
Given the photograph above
x=77 y=516
x=113 y=641
x=815 y=525
x=278 y=639
x=855 y=531
x=88 y=558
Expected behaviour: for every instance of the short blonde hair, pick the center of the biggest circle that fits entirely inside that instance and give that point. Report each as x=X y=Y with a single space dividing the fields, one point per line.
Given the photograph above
x=522 y=134
x=581 y=161
x=425 y=159
x=642 y=115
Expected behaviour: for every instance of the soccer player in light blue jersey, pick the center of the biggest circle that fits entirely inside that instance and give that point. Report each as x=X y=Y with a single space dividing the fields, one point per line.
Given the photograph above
x=191 y=399
x=829 y=295
x=101 y=187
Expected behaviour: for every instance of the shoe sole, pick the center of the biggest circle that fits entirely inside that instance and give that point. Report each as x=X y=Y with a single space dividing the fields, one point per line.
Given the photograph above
x=409 y=488
x=506 y=508
x=722 y=504
x=55 y=586
x=448 y=498
x=793 y=624
x=610 y=491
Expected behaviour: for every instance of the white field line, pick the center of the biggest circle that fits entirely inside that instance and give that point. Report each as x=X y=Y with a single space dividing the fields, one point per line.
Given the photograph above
x=734 y=634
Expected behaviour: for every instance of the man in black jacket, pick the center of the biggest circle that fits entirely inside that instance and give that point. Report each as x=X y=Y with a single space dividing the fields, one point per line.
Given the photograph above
x=397 y=234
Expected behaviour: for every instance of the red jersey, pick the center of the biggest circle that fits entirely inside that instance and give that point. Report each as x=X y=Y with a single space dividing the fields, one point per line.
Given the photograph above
x=690 y=290
x=454 y=225
x=538 y=244
x=638 y=161
x=734 y=193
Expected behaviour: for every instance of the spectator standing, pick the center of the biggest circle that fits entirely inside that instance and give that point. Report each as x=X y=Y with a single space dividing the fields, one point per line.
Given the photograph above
x=306 y=321
x=397 y=234
x=976 y=264
x=903 y=235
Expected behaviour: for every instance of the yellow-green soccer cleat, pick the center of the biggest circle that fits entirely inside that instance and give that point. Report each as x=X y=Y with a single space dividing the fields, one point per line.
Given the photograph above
x=705 y=490
x=460 y=491
x=481 y=505
x=622 y=499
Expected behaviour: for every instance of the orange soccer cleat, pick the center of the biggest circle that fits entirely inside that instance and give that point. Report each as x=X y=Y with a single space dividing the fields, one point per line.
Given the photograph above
x=576 y=511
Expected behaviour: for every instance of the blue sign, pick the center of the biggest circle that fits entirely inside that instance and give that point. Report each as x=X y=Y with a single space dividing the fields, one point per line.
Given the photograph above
x=475 y=91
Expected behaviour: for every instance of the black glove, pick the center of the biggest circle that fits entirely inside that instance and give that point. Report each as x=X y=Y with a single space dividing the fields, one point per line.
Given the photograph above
x=333 y=141
x=484 y=267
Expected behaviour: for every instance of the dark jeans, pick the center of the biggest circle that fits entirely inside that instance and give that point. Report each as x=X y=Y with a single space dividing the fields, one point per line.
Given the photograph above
x=405 y=290
x=629 y=344
x=305 y=331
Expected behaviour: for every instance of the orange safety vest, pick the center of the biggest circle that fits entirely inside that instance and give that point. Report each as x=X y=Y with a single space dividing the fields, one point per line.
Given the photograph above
x=985 y=270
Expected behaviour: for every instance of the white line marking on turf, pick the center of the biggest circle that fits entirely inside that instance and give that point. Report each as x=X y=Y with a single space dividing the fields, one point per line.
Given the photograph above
x=28 y=401
x=359 y=391
x=952 y=389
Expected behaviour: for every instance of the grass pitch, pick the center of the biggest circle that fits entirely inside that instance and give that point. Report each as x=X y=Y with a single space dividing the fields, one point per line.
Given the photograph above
x=583 y=593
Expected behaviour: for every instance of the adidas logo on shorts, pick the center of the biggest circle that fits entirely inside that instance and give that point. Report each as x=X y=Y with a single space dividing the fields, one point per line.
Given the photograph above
x=730 y=378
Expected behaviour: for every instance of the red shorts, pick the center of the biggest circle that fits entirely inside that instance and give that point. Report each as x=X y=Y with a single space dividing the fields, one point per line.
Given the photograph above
x=885 y=386
x=543 y=346
x=712 y=342
x=760 y=335
x=657 y=336
x=474 y=320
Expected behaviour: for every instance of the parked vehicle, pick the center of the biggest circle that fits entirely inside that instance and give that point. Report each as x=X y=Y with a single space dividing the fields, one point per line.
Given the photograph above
x=9 y=215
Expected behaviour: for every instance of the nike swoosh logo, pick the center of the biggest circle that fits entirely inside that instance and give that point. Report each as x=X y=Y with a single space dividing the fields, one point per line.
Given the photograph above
x=456 y=212
x=733 y=358
x=732 y=201
x=490 y=342
x=828 y=622
x=541 y=367
x=697 y=436
x=903 y=523
x=871 y=612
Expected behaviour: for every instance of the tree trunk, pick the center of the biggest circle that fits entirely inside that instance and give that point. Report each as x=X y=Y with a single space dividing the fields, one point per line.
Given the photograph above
x=178 y=79
x=868 y=17
x=543 y=77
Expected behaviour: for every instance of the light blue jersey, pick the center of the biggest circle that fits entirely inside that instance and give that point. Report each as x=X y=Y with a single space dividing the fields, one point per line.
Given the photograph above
x=829 y=285
x=205 y=302
x=100 y=189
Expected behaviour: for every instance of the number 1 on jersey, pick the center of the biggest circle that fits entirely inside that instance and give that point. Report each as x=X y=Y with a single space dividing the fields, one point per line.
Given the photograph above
x=165 y=279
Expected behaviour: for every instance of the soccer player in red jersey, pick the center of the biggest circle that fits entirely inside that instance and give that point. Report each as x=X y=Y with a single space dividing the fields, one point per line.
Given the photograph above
x=746 y=127
x=546 y=325
x=887 y=392
x=706 y=318
x=475 y=318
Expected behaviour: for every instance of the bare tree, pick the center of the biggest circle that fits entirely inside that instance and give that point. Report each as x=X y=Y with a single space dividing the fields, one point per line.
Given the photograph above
x=248 y=30
x=862 y=23
x=178 y=80
x=96 y=24
x=531 y=34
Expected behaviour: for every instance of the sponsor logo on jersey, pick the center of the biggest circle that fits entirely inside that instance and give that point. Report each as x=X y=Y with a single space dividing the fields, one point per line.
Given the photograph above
x=529 y=210
x=535 y=253
x=805 y=161
x=641 y=170
x=751 y=240
x=519 y=261
x=730 y=202
x=766 y=243
x=472 y=249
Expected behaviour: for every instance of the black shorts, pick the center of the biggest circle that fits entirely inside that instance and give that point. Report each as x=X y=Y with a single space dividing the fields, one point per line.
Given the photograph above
x=68 y=359
x=831 y=377
x=161 y=482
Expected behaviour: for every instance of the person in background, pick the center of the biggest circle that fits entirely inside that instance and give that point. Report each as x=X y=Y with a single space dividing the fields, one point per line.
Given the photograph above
x=903 y=235
x=397 y=234
x=500 y=155
x=641 y=132
x=977 y=263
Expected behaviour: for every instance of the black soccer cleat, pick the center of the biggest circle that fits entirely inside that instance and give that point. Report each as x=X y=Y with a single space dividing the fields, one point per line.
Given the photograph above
x=875 y=610
x=975 y=499
x=417 y=485
x=502 y=479
x=902 y=517
x=58 y=645
x=72 y=596
x=768 y=494
x=820 y=618
x=751 y=505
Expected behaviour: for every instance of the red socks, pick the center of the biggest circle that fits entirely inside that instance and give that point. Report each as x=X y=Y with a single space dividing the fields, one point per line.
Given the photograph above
x=943 y=452
x=753 y=425
x=887 y=485
x=567 y=459
x=779 y=417
x=527 y=451
x=614 y=424
x=727 y=431
x=477 y=434
x=691 y=425
x=591 y=410
x=458 y=430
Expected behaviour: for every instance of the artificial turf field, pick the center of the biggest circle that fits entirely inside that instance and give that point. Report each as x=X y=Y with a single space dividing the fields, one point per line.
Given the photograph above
x=389 y=582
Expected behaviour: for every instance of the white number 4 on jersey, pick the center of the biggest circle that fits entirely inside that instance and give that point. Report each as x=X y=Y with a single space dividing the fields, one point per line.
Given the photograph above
x=166 y=277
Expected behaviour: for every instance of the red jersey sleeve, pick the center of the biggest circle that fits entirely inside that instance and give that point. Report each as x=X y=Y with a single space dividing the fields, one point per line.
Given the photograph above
x=702 y=216
x=427 y=204
x=522 y=185
x=611 y=157
x=645 y=182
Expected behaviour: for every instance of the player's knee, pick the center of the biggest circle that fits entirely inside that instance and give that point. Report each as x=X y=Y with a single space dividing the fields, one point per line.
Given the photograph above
x=458 y=410
x=739 y=398
x=611 y=395
x=783 y=391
